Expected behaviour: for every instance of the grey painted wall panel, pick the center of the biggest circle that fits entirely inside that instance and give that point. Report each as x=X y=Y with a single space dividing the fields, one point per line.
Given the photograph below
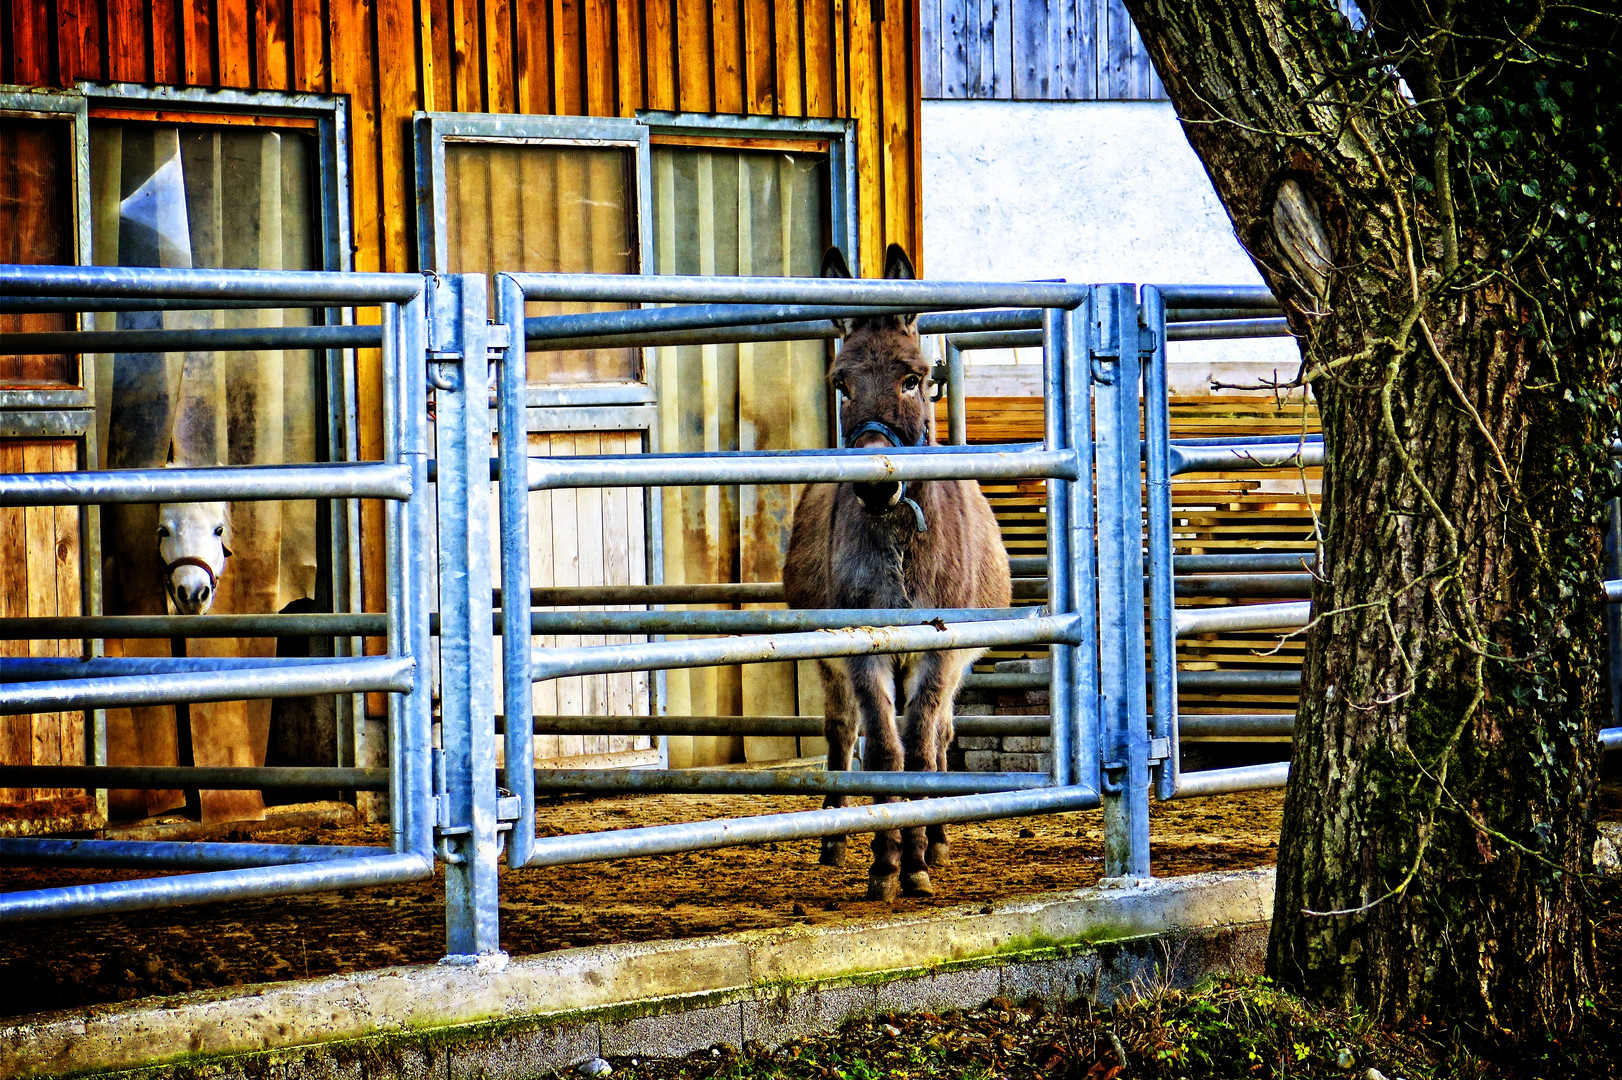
x=1035 y=50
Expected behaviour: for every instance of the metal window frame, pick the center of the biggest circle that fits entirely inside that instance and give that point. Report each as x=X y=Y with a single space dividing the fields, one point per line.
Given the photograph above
x=843 y=219
x=72 y=107
x=430 y=133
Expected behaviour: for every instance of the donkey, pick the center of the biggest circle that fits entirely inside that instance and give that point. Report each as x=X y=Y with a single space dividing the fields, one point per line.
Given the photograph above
x=194 y=540
x=891 y=545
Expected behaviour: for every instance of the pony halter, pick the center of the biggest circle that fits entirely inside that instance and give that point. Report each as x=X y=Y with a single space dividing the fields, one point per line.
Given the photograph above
x=881 y=428
x=188 y=560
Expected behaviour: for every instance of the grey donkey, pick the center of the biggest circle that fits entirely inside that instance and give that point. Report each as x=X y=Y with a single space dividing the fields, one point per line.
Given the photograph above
x=928 y=544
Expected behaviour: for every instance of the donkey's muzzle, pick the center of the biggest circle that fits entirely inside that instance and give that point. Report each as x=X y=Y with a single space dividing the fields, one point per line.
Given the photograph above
x=878 y=498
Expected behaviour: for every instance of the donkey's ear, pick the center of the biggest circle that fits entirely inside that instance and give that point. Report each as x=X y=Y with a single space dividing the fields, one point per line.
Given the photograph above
x=896 y=263
x=834 y=265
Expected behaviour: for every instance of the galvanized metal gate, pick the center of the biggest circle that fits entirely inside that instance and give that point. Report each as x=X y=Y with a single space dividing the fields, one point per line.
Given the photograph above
x=1106 y=458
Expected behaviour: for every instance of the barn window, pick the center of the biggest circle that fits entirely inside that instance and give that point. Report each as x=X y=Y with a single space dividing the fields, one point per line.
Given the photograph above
x=669 y=194
x=125 y=175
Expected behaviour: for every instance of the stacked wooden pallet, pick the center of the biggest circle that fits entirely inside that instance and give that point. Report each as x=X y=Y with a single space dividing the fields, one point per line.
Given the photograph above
x=1213 y=513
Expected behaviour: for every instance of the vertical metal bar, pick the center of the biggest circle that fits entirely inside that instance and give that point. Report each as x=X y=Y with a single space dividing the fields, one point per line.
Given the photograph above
x=1083 y=569
x=957 y=410
x=1120 y=579
x=415 y=733
x=1162 y=599
x=399 y=602
x=517 y=690
x=1061 y=674
x=467 y=714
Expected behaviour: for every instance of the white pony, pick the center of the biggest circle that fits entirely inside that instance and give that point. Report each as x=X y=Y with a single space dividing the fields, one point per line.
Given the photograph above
x=194 y=540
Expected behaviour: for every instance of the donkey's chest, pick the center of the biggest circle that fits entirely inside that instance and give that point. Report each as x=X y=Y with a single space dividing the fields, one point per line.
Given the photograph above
x=878 y=572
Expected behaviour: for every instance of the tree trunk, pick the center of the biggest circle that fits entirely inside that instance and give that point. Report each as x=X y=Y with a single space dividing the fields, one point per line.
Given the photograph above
x=1436 y=826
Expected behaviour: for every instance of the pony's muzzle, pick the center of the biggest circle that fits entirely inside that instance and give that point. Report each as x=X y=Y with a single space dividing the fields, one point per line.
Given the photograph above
x=192 y=585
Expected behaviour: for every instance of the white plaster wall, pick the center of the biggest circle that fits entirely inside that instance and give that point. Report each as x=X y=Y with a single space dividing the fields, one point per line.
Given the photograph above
x=1086 y=191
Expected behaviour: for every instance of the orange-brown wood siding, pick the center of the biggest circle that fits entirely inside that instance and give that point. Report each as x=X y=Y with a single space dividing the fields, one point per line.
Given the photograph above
x=788 y=58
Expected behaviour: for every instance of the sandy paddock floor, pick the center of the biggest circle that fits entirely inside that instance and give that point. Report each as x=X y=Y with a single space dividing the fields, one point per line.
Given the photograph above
x=119 y=957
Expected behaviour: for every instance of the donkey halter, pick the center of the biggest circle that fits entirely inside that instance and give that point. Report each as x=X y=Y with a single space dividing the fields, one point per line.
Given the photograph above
x=881 y=428
x=188 y=560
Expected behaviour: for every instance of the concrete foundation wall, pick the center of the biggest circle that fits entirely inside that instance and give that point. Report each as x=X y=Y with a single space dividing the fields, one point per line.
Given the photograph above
x=522 y=1019
x=1091 y=191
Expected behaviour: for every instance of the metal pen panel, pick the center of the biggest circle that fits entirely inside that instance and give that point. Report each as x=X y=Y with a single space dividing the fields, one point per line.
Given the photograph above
x=1123 y=704
x=826 y=467
x=319 y=288
x=1162 y=592
x=218 y=777
x=780 y=782
x=240 y=483
x=731 y=832
x=330 y=677
x=170 y=855
x=248 y=884
x=913 y=295
x=1234 y=454
x=555 y=663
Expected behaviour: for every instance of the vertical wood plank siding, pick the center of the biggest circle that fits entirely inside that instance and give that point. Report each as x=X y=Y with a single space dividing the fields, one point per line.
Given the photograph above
x=1035 y=50
x=789 y=58
x=786 y=58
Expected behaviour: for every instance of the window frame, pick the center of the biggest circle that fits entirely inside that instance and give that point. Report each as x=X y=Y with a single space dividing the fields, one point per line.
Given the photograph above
x=843 y=220
x=431 y=131
x=23 y=103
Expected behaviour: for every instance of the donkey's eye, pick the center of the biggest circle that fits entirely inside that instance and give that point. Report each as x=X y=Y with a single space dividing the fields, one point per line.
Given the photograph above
x=842 y=389
x=910 y=383
x=163 y=531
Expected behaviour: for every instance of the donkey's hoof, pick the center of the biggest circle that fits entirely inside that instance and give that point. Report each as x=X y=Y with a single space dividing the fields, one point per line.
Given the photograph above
x=883 y=888
x=917 y=883
x=833 y=851
x=938 y=854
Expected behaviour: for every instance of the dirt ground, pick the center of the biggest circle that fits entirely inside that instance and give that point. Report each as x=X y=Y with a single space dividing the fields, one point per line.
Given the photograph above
x=121 y=957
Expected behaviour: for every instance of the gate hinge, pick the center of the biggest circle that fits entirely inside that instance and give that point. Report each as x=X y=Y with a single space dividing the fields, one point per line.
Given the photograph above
x=1159 y=749
x=498 y=337
x=1147 y=340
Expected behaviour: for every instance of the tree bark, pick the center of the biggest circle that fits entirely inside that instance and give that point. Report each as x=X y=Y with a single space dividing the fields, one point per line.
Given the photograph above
x=1437 y=822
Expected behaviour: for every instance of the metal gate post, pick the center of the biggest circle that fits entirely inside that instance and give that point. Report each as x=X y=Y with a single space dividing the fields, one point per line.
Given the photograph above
x=1122 y=705
x=466 y=826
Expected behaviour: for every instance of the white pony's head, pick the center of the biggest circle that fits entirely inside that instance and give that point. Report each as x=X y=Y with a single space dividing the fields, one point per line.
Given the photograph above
x=194 y=540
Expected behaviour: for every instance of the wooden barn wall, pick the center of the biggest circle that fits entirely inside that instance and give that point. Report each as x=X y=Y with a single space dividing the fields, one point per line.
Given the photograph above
x=781 y=58
x=1035 y=50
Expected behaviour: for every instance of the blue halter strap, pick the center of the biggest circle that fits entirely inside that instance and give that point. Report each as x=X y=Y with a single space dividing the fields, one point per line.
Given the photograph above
x=879 y=427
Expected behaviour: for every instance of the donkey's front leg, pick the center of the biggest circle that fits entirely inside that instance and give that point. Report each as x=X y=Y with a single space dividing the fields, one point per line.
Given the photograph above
x=872 y=682
x=932 y=682
x=839 y=728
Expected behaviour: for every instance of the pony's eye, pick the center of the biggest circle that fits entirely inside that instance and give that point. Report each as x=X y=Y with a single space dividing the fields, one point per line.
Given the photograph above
x=910 y=382
x=219 y=530
x=163 y=531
